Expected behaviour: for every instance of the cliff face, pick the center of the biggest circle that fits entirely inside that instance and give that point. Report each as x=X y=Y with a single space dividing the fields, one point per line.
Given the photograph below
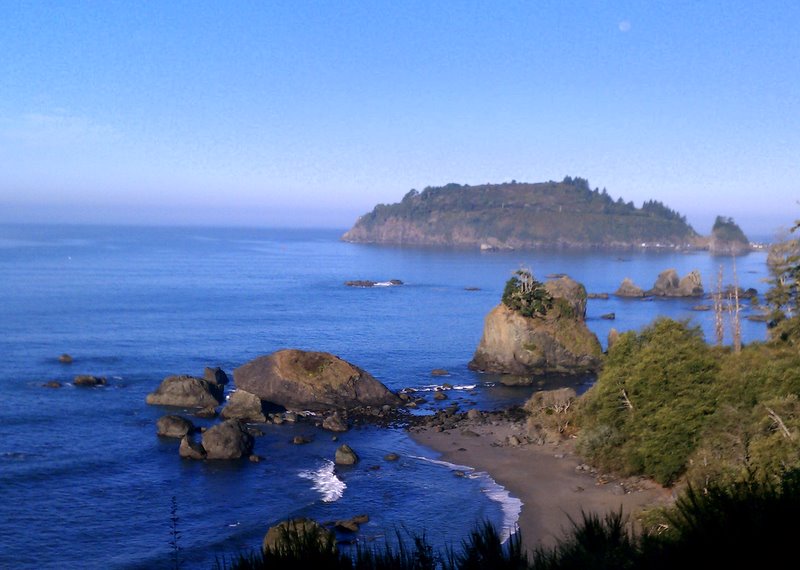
x=558 y=342
x=514 y=215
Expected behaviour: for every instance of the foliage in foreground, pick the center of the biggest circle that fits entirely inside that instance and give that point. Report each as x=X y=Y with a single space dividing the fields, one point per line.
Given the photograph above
x=741 y=525
x=667 y=405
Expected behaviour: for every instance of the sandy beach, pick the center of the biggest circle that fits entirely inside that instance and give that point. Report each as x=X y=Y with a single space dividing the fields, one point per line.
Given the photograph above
x=552 y=482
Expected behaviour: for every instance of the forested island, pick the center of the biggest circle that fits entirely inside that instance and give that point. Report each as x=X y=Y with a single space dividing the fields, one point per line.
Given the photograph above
x=516 y=215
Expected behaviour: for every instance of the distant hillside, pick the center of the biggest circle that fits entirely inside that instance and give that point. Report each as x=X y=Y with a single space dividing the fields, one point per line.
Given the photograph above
x=521 y=216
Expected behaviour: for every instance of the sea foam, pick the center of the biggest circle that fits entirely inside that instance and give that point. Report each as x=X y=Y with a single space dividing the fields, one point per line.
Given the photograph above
x=325 y=482
x=510 y=506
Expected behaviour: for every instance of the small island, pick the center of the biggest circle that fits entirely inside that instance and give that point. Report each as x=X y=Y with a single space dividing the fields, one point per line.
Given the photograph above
x=515 y=215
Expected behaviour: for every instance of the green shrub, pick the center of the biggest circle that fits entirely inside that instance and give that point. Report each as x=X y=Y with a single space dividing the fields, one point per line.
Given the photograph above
x=524 y=294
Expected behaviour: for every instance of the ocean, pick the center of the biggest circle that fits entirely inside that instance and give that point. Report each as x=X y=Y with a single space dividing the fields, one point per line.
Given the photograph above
x=87 y=483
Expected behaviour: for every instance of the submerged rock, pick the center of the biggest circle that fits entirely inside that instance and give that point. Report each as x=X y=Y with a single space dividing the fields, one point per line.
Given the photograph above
x=228 y=440
x=185 y=392
x=65 y=359
x=316 y=381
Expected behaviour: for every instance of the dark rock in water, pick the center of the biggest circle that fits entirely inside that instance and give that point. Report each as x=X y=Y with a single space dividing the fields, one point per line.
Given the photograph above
x=215 y=376
x=759 y=318
x=65 y=359
x=243 y=405
x=609 y=316
x=316 y=381
x=701 y=308
x=185 y=392
x=472 y=288
x=439 y=372
x=367 y=283
x=228 y=440
x=300 y=440
x=391 y=457
x=88 y=381
x=52 y=384
x=597 y=296
x=334 y=422
x=255 y=459
x=556 y=342
x=629 y=289
x=190 y=449
x=345 y=455
x=174 y=426
x=288 y=534
x=439 y=395
x=351 y=524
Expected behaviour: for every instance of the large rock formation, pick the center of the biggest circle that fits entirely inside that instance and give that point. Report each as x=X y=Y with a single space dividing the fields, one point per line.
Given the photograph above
x=556 y=342
x=668 y=284
x=315 y=381
x=228 y=440
x=186 y=392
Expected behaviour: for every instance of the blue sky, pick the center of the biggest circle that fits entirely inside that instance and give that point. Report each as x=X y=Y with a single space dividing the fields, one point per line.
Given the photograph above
x=310 y=113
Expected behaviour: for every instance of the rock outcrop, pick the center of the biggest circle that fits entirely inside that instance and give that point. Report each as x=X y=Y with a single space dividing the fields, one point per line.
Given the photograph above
x=345 y=455
x=727 y=238
x=556 y=342
x=668 y=284
x=243 y=405
x=629 y=289
x=228 y=440
x=174 y=426
x=190 y=449
x=296 y=531
x=316 y=381
x=185 y=392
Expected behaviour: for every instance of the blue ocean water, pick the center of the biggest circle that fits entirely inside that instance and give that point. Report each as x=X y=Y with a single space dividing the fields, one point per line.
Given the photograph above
x=87 y=483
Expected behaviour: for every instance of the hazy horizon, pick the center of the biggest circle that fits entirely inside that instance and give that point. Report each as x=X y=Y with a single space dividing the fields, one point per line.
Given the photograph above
x=310 y=114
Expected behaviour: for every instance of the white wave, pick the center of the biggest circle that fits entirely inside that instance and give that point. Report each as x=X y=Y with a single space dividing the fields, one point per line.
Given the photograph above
x=439 y=387
x=326 y=482
x=510 y=506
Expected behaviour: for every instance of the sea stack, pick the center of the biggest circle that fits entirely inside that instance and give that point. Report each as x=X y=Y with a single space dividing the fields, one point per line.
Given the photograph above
x=544 y=334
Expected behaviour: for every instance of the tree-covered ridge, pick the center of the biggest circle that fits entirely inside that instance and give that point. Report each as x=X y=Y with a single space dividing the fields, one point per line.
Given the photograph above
x=514 y=214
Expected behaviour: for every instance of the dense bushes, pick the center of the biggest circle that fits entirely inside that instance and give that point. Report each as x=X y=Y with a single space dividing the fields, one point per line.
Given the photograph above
x=667 y=404
x=647 y=410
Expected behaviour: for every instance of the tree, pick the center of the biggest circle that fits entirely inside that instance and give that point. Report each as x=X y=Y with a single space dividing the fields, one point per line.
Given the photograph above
x=523 y=293
x=783 y=262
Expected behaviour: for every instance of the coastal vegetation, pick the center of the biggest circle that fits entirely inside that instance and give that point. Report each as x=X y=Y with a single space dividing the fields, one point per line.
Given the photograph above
x=524 y=294
x=522 y=215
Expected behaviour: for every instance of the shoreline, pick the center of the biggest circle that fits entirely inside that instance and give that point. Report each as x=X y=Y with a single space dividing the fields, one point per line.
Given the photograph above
x=551 y=481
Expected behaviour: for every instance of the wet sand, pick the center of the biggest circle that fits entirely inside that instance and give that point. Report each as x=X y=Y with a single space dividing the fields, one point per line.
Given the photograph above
x=549 y=479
